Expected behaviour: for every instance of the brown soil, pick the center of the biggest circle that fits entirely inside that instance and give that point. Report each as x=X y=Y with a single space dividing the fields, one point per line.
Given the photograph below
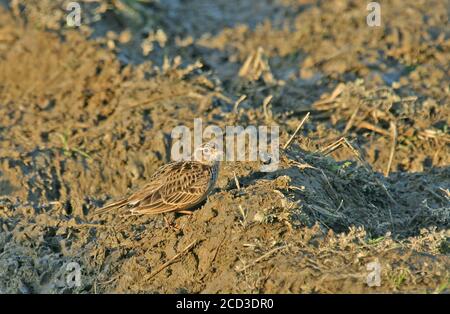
x=86 y=117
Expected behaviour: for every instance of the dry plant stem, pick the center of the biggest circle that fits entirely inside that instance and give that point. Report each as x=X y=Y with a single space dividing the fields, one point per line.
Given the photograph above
x=337 y=91
x=259 y=259
x=218 y=247
x=331 y=147
x=246 y=66
x=236 y=181
x=336 y=196
x=238 y=102
x=173 y=259
x=371 y=127
x=161 y=98
x=296 y=131
x=393 y=128
x=266 y=103
x=244 y=216
x=351 y=121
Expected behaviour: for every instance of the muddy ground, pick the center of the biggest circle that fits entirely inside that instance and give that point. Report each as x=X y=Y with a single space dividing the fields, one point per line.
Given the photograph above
x=86 y=116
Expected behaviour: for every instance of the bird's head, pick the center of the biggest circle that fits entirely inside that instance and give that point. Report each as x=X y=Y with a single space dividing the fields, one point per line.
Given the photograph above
x=208 y=153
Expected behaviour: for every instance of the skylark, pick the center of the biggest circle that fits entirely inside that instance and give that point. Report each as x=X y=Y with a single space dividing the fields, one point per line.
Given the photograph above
x=175 y=187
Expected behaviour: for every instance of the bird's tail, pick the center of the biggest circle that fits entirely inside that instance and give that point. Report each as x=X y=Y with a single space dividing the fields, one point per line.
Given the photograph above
x=115 y=205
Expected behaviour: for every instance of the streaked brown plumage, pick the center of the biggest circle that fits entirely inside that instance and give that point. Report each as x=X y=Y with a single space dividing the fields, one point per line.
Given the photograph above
x=175 y=187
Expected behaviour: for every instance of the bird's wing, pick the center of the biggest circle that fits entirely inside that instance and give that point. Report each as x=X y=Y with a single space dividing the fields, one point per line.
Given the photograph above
x=178 y=186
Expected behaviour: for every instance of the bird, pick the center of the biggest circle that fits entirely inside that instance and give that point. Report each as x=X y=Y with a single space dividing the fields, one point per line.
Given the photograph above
x=175 y=187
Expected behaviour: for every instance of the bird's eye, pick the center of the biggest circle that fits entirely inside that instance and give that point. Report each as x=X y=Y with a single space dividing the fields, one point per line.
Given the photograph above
x=206 y=150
